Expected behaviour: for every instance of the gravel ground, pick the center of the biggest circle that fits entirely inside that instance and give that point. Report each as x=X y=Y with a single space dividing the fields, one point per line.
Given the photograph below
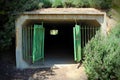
x=8 y=72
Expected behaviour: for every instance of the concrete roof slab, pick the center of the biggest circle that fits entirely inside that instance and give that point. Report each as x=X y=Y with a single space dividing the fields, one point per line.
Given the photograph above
x=65 y=11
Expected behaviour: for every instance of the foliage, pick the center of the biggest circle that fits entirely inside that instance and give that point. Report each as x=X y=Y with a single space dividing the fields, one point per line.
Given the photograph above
x=78 y=3
x=68 y=3
x=11 y=9
x=102 y=56
x=100 y=4
x=106 y=4
x=116 y=6
x=57 y=3
x=95 y=3
x=86 y=3
x=75 y=3
x=47 y=3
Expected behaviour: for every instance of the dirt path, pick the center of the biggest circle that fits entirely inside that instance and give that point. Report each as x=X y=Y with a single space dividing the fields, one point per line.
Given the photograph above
x=64 y=72
x=70 y=72
x=8 y=71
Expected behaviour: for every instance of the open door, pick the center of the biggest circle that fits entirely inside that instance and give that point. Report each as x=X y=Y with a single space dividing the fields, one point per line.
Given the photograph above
x=77 y=43
x=38 y=43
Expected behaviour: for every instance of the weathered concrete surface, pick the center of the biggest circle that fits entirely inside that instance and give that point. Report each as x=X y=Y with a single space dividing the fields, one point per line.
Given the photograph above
x=66 y=11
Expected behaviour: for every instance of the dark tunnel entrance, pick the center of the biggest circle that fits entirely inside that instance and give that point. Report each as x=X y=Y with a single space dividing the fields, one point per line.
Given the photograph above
x=59 y=41
x=59 y=48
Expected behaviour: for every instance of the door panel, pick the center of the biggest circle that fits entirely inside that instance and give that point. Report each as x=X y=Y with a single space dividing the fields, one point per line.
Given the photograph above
x=38 y=43
x=77 y=43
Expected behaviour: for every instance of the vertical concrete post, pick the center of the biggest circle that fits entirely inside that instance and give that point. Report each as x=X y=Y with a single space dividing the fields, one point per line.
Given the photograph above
x=104 y=25
x=102 y=22
x=20 y=63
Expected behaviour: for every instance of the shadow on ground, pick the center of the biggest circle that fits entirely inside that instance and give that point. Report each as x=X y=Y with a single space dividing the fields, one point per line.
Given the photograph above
x=9 y=72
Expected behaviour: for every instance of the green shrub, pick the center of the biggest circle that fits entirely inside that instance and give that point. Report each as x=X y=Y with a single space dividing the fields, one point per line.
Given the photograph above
x=106 y=4
x=100 y=4
x=95 y=3
x=11 y=9
x=68 y=3
x=86 y=3
x=78 y=3
x=47 y=3
x=57 y=3
x=102 y=56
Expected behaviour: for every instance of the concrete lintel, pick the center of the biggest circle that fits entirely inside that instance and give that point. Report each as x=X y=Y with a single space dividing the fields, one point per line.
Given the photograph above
x=64 y=17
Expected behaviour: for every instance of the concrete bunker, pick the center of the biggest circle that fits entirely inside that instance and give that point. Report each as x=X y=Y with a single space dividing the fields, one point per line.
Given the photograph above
x=60 y=46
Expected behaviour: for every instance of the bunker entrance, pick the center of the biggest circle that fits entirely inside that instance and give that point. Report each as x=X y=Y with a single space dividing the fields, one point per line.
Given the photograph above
x=59 y=48
x=56 y=42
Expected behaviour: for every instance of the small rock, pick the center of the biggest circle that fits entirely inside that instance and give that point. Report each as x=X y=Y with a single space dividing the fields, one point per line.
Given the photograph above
x=35 y=76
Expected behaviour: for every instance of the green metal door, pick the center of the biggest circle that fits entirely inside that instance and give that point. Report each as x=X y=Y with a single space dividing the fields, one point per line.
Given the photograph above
x=77 y=43
x=38 y=43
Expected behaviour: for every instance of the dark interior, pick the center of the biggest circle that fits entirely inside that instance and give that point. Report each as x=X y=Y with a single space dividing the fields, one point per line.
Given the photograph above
x=60 y=46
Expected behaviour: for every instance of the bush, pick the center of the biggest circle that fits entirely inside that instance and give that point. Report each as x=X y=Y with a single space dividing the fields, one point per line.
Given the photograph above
x=11 y=9
x=102 y=56
x=106 y=4
x=68 y=3
x=78 y=3
x=57 y=3
x=47 y=3
x=86 y=3
x=95 y=3
x=100 y=4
